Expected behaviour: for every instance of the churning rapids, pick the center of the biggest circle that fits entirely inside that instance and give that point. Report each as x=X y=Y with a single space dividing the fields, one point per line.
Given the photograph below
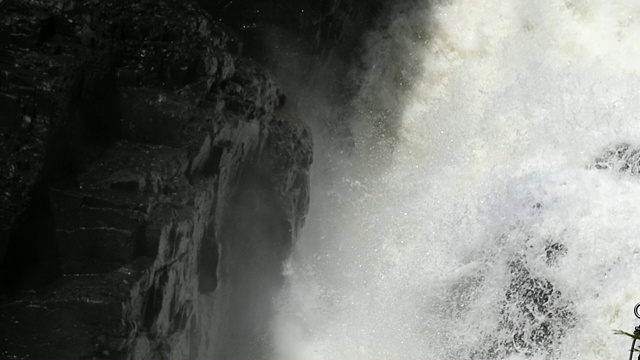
x=485 y=208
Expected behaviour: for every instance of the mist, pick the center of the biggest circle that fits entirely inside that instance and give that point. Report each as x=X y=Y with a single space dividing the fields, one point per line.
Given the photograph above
x=456 y=209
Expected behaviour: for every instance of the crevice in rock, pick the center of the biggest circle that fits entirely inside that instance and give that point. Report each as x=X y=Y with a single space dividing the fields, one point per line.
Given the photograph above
x=154 y=299
x=208 y=260
x=32 y=256
x=90 y=122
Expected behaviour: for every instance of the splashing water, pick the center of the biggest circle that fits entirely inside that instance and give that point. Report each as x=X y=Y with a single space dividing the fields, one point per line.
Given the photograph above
x=471 y=219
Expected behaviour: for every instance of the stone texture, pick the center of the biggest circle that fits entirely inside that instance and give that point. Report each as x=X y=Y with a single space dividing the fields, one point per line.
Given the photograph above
x=153 y=182
x=318 y=27
x=623 y=158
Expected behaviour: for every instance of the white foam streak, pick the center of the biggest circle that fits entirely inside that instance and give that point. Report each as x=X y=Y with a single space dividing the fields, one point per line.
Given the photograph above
x=473 y=138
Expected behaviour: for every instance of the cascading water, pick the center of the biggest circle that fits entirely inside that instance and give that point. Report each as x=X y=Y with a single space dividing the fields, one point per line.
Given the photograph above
x=478 y=213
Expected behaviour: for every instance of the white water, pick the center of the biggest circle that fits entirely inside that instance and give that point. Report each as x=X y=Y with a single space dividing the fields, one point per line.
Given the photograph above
x=474 y=132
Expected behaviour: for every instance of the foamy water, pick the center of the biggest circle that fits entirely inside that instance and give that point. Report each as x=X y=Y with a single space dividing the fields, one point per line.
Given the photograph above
x=468 y=220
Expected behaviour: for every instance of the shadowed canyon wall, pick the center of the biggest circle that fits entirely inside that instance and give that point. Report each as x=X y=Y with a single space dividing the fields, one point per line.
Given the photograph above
x=153 y=176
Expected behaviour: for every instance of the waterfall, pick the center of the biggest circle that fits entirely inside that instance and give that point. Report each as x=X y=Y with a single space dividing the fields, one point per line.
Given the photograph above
x=488 y=205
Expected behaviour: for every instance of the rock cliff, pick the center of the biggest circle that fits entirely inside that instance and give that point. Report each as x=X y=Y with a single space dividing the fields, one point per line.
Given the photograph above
x=153 y=181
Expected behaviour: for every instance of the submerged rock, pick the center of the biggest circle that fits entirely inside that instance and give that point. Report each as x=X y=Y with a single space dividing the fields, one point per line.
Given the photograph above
x=622 y=158
x=533 y=315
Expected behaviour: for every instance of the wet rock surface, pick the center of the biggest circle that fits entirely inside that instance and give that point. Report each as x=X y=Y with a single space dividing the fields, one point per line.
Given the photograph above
x=534 y=315
x=622 y=158
x=153 y=181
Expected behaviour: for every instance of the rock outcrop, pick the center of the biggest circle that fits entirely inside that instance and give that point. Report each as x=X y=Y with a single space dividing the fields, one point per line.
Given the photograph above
x=153 y=181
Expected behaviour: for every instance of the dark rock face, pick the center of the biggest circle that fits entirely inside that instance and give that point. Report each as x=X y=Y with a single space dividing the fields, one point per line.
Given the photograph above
x=319 y=26
x=153 y=182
